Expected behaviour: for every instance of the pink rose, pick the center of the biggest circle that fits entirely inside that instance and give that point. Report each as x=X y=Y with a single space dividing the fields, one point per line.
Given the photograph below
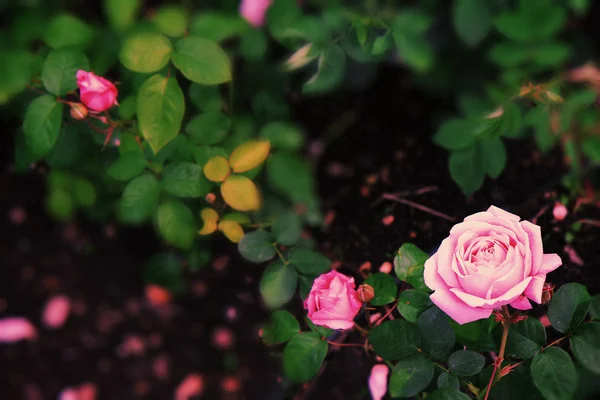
x=254 y=11
x=15 y=329
x=96 y=93
x=489 y=260
x=332 y=301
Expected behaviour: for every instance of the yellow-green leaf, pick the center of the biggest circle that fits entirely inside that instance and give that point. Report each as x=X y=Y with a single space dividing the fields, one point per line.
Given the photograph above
x=210 y=218
x=240 y=193
x=216 y=169
x=249 y=155
x=232 y=230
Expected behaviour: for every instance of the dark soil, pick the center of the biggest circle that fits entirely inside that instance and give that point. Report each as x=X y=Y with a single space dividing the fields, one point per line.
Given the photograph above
x=387 y=148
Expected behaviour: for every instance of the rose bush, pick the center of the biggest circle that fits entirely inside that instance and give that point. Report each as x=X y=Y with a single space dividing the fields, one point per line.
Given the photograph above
x=96 y=92
x=489 y=260
x=333 y=302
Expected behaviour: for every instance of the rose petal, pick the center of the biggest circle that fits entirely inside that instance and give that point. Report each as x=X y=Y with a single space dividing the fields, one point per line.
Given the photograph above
x=331 y=323
x=521 y=303
x=535 y=245
x=534 y=290
x=456 y=308
x=506 y=298
x=549 y=263
x=378 y=381
x=502 y=213
x=445 y=255
x=431 y=276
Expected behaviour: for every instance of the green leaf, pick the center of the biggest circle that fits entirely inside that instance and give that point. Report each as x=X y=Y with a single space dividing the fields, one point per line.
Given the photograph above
x=257 y=246
x=287 y=228
x=171 y=20
x=290 y=175
x=449 y=381
x=554 y=374
x=176 y=224
x=447 y=394
x=408 y=30
x=216 y=26
x=330 y=71
x=467 y=168
x=208 y=128
x=456 y=134
x=494 y=156
x=539 y=119
x=595 y=307
x=281 y=15
x=437 y=335
x=476 y=335
x=509 y=54
x=59 y=204
x=525 y=338
x=568 y=307
x=410 y=376
x=472 y=20
x=16 y=71
x=512 y=121
x=42 y=123
x=185 y=179
x=204 y=153
x=146 y=52
x=412 y=303
x=303 y=356
x=66 y=30
x=409 y=266
x=127 y=166
x=394 y=339
x=278 y=284
x=281 y=327
x=308 y=262
x=202 y=61
x=253 y=45
x=321 y=330
x=84 y=193
x=60 y=70
x=551 y=54
x=385 y=288
x=160 y=109
x=140 y=199
x=164 y=270
x=585 y=344
x=283 y=135
x=206 y=98
x=121 y=13
x=465 y=363
x=580 y=7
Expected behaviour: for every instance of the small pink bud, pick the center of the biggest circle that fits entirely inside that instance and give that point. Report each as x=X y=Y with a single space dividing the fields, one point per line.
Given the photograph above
x=78 y=111
x=97 y=93
x=191 y=386
x=378 y=381
x=386 y=267
x=560 y=211
x=547 y=292
x=15 y=329
x=56 y=311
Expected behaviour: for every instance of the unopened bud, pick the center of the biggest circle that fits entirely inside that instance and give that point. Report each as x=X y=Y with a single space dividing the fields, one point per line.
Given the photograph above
x=559 y=211
x=78 y=111
x=365 y=293
x=547 y=292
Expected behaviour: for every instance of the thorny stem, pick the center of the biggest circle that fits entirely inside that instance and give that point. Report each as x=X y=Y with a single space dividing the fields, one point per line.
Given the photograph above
x=380 y=320
x=557 y=341
x=361 y=329
x=418 y=206
x=505 y=327
x=345 y=344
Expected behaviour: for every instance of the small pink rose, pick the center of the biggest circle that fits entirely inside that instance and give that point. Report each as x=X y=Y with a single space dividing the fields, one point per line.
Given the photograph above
x=254 y=11
x=559 y=212
x=16 y=329
x=490 y=260
x=97 y=93
x=332 y=301
x=378 y=382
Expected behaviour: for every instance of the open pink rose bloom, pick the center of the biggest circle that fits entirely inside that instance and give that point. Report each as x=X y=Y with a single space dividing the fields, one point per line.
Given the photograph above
x=490 y=260
x=97 y=93
x=254 y=11
x=333 y=301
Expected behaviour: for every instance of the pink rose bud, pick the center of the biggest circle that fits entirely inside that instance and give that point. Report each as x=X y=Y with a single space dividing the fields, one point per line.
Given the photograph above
x=378 y=381
x=56 y=312
x=97 y=93
x=559 y=211
x=366 y=293
x=192 y=386
x=15 y=329
x=547 y=292
x=333 y=301
x=490 y=260
x=254 y=11
x=78 y=111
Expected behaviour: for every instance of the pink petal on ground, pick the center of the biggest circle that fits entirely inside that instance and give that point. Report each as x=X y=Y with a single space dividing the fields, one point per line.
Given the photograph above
x=56 y=311
x=191 y=386
x=15 y=329
x=378 y=382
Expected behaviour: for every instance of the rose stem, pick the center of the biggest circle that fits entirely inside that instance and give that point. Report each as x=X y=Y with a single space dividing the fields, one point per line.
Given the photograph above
x=345 y=344
x=505 y=327
x=280 y=254
x=361 y=329
x=418 y=206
